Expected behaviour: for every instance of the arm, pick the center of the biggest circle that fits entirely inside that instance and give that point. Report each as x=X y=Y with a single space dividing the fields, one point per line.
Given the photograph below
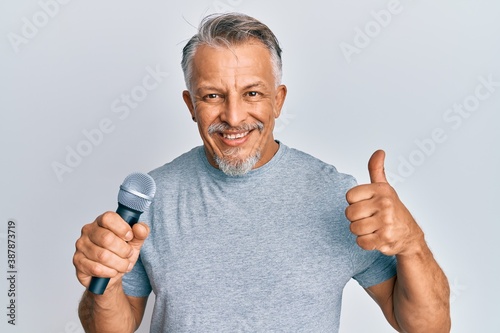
x=109 y=247
x=114 y=312
x=417 y=299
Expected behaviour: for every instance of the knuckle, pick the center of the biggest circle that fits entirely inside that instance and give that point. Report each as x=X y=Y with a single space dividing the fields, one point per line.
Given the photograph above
x=103 y=256
x=78 y=244
x=386 y=249
x=81 y=265
x=348 y=196
x=362 y=243
x=86 y=229
x=387 y=236
x=96 y=270
x=351 y=195
x=353 y=213
x=107 y=215
x=107 y=239
x=347 y=212
x=106 y=218
x=385 y=202
x=76 y=261
x=356 y=228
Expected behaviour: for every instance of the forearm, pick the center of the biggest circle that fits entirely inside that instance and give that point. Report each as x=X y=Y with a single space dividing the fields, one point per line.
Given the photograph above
x=421 y=293
x=107 y=313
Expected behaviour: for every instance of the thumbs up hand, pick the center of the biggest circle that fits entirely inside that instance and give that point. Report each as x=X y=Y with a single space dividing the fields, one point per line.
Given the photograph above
x=378 y=218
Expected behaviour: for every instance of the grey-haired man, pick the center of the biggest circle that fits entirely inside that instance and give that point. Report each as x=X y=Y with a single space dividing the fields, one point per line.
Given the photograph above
x=248 y=235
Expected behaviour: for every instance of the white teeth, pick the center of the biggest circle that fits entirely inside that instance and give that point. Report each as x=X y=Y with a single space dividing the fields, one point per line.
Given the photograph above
x=234 y=136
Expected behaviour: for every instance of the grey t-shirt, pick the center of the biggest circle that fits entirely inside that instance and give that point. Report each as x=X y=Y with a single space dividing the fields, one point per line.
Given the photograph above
x=270 y=251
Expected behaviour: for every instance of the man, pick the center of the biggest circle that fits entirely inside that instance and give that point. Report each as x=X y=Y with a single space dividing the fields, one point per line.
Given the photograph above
x=248 y=235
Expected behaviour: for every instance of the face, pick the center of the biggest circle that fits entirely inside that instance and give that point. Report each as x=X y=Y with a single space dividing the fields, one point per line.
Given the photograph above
x=235 y=100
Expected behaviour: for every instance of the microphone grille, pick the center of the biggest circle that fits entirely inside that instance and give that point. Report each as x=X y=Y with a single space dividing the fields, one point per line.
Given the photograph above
x=137 y=191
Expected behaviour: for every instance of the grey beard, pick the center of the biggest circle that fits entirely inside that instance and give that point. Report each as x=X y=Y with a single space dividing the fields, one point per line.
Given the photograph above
x=236 y=167
x=229 y=165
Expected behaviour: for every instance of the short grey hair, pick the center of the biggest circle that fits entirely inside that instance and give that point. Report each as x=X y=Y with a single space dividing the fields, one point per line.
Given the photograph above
x=231 y=29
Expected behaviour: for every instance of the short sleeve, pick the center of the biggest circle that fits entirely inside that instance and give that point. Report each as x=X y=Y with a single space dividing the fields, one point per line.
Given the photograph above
x=136 y=282
x=369 y=267
x=380 y=269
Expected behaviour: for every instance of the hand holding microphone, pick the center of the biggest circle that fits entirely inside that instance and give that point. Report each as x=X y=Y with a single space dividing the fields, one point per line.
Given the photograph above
x=110 y=246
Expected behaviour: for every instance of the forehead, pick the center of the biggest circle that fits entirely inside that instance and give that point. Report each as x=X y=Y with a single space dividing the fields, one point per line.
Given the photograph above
x=243 y=61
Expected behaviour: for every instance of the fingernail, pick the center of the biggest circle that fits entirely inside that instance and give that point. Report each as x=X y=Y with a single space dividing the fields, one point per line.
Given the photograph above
x=129 y=236
x=130 y=266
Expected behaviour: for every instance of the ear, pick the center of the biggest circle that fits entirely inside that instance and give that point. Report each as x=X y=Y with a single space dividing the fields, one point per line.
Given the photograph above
x=280 y=99
x=186 y=96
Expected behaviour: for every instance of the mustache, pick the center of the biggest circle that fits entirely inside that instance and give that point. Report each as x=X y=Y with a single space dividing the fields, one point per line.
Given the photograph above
x=221 y=127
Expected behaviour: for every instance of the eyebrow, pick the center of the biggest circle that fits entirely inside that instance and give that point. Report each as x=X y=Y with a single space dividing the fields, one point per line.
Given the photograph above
x=210 y=88
x=255 y=84
x=249 y=86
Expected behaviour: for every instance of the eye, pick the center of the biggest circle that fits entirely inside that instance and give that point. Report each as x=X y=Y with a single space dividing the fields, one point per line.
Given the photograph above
x=253 y=94
x=213 y=98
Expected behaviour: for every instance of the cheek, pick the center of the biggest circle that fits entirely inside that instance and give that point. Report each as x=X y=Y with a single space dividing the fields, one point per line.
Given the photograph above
x=265 y=113
x=204 y=124
x=206 y=117
x=203 y=129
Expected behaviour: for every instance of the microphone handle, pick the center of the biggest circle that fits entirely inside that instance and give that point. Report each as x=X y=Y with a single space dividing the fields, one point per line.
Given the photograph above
x=98 y=284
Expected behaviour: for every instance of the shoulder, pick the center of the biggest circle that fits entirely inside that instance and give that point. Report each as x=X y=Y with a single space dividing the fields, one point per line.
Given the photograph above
x=178 y=167
x=314 y=168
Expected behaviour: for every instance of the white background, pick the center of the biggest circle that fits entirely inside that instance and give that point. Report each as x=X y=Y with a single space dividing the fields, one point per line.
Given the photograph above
x=67 y=76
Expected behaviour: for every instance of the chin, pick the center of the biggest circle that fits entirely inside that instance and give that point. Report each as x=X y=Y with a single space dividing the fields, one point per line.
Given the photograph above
x=234 y=166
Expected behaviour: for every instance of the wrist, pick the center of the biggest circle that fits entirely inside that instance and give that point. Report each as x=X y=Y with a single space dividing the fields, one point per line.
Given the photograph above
x=416 y=246
x=113 y=291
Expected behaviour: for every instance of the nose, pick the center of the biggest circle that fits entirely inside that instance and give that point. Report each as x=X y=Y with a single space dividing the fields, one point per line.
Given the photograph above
x=234 y=112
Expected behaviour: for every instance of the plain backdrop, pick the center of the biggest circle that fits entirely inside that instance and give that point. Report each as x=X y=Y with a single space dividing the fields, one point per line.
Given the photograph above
x=420 y=79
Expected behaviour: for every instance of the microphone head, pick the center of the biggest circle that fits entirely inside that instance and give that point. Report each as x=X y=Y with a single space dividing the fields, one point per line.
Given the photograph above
x=137 y=191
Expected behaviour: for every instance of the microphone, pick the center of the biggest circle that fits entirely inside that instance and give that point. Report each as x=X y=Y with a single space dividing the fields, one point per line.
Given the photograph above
x=135 y=196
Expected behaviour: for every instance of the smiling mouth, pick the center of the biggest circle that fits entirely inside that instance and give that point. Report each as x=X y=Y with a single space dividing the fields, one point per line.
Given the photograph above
x=234 y=136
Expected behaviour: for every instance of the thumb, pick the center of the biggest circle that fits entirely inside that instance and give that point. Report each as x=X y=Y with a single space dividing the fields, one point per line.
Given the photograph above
x=141 y=232
x=376 y=167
